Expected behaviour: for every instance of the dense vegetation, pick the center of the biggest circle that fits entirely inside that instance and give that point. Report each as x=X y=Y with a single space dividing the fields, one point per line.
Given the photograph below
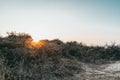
x=23 y=59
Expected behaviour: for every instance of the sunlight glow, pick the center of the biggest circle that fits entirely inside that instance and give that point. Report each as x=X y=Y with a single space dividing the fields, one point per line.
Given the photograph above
x=36 y=39
x=36 y=44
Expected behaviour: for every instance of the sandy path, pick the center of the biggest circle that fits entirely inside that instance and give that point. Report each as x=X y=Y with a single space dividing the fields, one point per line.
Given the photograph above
x=99 y=72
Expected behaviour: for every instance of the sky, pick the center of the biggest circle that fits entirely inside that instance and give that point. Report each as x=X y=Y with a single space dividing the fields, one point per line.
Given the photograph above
x=93 y=22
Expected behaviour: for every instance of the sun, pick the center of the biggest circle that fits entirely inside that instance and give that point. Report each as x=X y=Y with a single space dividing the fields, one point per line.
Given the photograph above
x=36 y=43
x=36 y=39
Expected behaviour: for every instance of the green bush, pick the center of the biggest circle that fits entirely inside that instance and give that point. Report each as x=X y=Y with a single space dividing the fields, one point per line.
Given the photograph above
x=53 y=60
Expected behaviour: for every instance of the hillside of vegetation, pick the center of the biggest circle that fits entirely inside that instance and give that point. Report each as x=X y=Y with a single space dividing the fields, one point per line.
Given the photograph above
x=23 y=59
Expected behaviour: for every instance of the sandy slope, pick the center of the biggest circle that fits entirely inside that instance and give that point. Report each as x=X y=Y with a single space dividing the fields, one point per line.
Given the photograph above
x=114 y=67
x=99 y=72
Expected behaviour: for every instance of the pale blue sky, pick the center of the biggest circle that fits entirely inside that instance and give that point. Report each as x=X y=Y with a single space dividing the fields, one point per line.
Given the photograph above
x=89 y=21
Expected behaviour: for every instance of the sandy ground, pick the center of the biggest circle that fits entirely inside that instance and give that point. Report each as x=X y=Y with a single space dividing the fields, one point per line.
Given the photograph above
x=113 y=67
x=99 y=72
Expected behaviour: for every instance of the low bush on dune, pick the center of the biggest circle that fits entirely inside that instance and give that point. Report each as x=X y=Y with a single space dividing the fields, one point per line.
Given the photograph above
x=23 y=59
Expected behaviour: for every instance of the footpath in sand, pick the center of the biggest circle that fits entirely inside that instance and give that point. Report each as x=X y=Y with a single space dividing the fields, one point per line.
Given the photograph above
x=109 y=71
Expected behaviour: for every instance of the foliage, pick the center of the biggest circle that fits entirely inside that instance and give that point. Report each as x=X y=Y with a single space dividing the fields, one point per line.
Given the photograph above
x=51 y=59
